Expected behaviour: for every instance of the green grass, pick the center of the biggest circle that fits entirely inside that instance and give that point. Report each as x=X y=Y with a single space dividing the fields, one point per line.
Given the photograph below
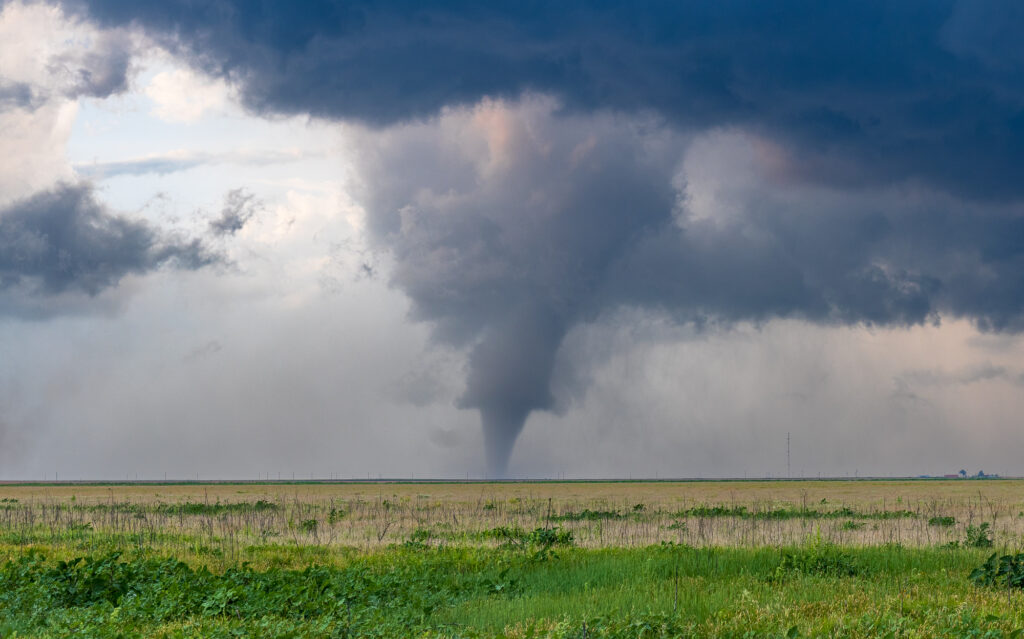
x=737 y=512
x=742 y=512
x=533 y=590
x=183 y=508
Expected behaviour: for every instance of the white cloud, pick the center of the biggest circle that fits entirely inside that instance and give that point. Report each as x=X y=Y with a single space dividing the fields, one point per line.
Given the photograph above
x=50 y=60
x=181 y=95
x=33 y=35
x=32 y=147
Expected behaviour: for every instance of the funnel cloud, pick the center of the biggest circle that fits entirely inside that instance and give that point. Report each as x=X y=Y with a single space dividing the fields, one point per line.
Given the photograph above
x=505 y=239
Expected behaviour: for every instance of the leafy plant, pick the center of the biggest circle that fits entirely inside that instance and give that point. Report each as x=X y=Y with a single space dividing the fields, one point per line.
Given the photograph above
x=551 y=537
x=335 y=515
x=1007 y=571
x=587 y=515
x=821 y=559
x=978 y=536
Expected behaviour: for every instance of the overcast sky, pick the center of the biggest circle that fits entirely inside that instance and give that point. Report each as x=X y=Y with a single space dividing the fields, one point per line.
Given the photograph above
x=450 y=239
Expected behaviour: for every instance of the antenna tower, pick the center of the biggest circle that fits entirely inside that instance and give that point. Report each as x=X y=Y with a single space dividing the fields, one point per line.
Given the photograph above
x=788 y=472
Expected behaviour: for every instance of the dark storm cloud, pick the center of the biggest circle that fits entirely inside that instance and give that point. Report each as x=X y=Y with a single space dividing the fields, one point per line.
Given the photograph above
x=859 y=262
x=872 y=91
x=64 y=241
x=511 y=224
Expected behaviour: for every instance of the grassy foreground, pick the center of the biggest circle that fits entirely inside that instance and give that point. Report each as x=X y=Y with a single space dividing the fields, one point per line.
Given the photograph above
x=537 y=589
x=715 y=559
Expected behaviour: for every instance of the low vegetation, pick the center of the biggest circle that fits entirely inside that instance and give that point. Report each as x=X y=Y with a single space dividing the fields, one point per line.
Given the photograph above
x=392 y=565
x=407 y=590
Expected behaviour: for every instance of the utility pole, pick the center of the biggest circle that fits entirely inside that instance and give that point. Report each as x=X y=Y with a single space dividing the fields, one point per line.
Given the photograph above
x=788 y=473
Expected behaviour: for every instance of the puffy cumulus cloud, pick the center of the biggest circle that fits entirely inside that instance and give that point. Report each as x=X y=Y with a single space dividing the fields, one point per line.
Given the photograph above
x=48 y=54
x=48 y=60
x=63 y=242
x=180 y=95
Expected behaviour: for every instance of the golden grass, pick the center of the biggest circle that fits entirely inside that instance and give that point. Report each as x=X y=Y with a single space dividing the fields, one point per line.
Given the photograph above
x=369 y=515
x=852 y=492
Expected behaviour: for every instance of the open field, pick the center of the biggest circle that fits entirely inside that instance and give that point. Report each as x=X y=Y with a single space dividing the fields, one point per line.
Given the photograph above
x=617 y=559
x=613 y=514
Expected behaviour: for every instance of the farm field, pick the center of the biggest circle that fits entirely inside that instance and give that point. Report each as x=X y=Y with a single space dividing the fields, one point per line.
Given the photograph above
x=569 y=559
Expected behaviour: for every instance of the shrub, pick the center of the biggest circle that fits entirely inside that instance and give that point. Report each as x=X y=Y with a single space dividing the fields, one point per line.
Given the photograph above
x=551 y=537
x=944 y=522
x=819 y=559
x=978 y=536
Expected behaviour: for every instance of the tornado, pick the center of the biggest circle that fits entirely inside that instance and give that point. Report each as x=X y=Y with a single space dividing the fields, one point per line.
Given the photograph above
x=510 y=377
x=507 y=241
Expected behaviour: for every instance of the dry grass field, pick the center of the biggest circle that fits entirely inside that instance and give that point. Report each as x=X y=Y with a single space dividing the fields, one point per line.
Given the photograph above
x=911 y=513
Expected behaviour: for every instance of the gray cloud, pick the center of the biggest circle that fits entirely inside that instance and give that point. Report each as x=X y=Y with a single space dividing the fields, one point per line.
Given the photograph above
x=239 y=208
x=208 y=349
x=855 y=264
x=64 y=241
x=973 y=375
x=100 y=71
x=161 y=165
x=182 y=161
x=18 y=95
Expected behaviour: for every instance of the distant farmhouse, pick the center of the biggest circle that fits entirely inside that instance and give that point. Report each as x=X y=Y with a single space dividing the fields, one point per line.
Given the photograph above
x=963 y=475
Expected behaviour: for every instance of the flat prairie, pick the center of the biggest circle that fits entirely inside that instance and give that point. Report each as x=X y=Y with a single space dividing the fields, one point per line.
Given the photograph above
x=917 y=513
x=564 y=560
x=863 y=492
